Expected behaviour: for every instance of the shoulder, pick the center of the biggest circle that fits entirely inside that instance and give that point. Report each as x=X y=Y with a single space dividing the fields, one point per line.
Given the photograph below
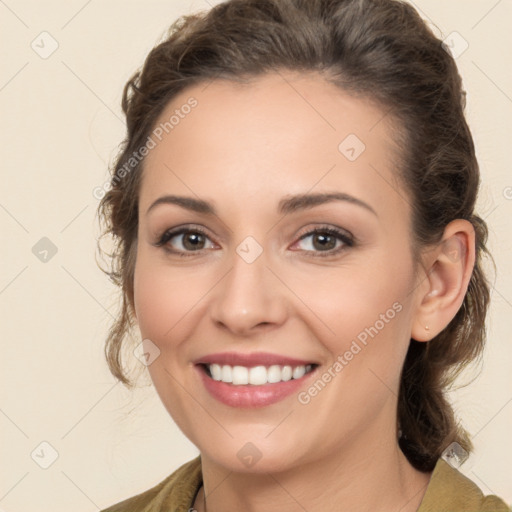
x=449 y=490
x=176 y=492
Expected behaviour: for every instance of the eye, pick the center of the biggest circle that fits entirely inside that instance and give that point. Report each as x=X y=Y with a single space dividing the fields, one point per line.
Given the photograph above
x=323 y=241
x=185 y=240
x=326 y=241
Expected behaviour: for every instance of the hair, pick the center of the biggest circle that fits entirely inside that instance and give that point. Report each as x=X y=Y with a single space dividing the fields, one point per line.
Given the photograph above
x=377 y=49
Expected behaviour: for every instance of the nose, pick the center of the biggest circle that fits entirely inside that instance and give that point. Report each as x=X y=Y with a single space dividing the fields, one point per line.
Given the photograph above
x=249 y=299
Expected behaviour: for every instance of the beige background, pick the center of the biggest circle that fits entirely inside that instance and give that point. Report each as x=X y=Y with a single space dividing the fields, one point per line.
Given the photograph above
x=60 y=126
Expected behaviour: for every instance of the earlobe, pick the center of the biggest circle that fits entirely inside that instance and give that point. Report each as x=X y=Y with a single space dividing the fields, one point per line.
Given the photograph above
x=449 y=267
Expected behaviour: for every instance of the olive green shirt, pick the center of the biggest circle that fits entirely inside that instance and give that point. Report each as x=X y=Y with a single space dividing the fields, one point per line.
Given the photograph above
x=448 y=491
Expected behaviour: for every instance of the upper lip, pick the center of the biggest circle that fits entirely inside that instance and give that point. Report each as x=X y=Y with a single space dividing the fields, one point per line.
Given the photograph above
x=252 y=359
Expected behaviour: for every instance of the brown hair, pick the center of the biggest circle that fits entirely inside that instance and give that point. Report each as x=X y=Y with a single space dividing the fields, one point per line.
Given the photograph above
x=379 y=49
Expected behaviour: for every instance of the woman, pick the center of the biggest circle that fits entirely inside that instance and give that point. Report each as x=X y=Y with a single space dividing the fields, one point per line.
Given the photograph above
x=298 y=246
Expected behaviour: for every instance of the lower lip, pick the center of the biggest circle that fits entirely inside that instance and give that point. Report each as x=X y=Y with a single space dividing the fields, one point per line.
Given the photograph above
x=250 y=396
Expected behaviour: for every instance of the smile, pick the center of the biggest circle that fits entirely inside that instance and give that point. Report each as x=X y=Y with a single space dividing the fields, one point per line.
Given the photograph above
x=256 y=375
x=253 y=380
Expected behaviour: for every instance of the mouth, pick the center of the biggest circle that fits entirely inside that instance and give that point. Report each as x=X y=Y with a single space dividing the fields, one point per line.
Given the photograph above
x=254 y=385
x=238 y=375
x=254 y=379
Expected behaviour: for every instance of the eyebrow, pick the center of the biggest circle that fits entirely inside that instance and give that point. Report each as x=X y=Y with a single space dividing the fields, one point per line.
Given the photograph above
x=288 y=204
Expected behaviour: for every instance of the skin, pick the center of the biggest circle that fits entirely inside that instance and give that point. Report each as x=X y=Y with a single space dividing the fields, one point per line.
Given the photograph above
x=244 y=148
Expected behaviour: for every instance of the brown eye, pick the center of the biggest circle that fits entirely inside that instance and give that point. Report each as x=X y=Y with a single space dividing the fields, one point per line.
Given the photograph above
x=193 y=241
x=325 y=241
x=184 y=240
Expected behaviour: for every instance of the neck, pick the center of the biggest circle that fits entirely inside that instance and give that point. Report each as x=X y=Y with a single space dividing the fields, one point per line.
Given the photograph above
x=369 y=476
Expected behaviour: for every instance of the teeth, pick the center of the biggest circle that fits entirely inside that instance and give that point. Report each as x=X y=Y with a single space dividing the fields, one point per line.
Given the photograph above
x=274 y=374
x=227 y=374
x=240 y=375
x=256 y=375
x=286 y=373
x=216 y=372
x=298 y=372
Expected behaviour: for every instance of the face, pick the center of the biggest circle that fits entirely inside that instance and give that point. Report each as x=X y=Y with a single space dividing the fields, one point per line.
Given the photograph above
x=293 y=250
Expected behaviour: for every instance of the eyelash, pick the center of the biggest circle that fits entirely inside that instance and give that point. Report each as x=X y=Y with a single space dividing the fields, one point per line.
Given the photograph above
x=347 y=239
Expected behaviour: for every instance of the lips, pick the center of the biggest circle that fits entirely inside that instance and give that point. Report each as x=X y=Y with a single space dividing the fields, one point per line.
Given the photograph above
x=253 y=380
x=252 y=359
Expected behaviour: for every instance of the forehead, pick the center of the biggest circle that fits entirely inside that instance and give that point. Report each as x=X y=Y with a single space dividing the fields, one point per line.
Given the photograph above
x=282 y=133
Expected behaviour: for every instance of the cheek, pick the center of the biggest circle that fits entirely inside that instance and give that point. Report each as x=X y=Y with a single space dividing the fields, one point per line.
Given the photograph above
x=371 y=326
x=151 y=301
x=365 y=316
x=351 y=301
x=160 y=299
x=169 y=300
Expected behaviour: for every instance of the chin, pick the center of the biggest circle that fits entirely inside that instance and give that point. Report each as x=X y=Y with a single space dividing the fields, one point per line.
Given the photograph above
x=257 y=456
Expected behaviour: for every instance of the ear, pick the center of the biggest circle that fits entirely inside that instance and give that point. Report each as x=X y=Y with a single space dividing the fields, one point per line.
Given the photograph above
x=448 y=269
